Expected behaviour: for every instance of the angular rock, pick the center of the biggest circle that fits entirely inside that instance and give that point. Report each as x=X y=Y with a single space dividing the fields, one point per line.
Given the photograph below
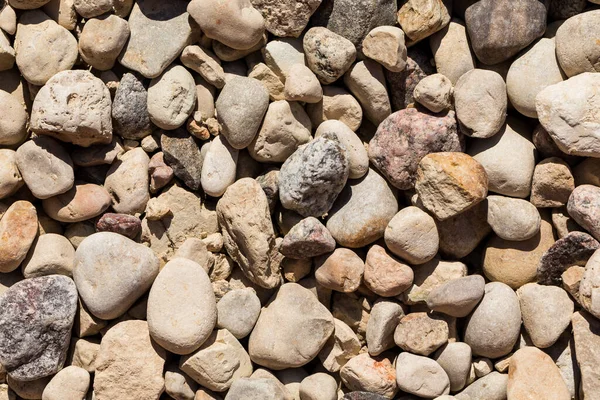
x=373 y=374
x=80 y=203
x=584 y=208
x=457 y=297
x=384 y=275
x=18 y=230
x=421 y=333
x=513 y=219
x=420 y=19
x=204 y=62
x=308 y=238
x=421 y=376
x=574 y=51
x=127 y=182
x=341 y=346
x=431 y=275
x=130 y=108
x=385 y=44
x=412 y=235
x=281 y=54
x=182 y=154
x=286 y=18
x=328 y=54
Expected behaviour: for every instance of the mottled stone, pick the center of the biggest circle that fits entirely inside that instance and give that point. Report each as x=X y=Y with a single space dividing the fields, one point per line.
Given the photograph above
x=18 y=229
x=182 y=154
x=124 y=224
x=373 y=374
x=287 y=18
x=384 y=275
x=421 y=333
x=130 y=108
x=584 y=208
x=457 y=297
x=328 y=54
x=308 y=238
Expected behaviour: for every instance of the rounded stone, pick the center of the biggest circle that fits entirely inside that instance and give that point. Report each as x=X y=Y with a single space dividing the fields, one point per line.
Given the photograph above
x=584 y=207
x=366 y=81
x=238 y=311
x=319 y=386
x=384 y=318
x=457 y=297
x=341 y=270
x=18 y=230
x=385 y=44
x=127 y=182
x=219 y=167
x=421 y=333
x=421 y=376
x=451 y=51
x=328 y=54
x=576 y=50
x=256 y=389
x=308 y=238
x=102 y=39
x=493 y=328
x=455 y=359
x=513 y=219
x=301 y=84
x=10 y=177
x=552 y=183
x=412 y=235
x=434 y=92
x=370 y=374
x=70 y=383
x=358 y=159
x=338 y=104
x=81 y=202
x=384 y=275
x=14 y=120
x=171 y=98
x=50 y=254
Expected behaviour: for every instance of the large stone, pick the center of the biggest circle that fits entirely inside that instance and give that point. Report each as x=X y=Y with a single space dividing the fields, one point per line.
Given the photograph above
x=129 y=366
x=75 y=107
x=127 y=182
x=18 y=230
x=455 y=359
x=420 y=19
x=130 y=108
x=159 y=32
x=328 y=54
x=80 y=203
x=341 y=346
x=171 y=97
x=36 y=316
x=244 y=217
x=584 y=208
x=421 y=376
x=286 y=18
x=421 y=333
x=407 y=136
x=383 y=320
x=461 y=234
x=576 y=49
x=112 y=272
x=182 y=154
x=291 y=330
x=341 y=270
x=14 y=121
x=587 y=342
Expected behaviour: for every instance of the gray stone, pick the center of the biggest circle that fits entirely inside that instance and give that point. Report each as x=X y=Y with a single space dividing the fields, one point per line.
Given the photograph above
x=490 y=387
x=383 y=320
x=455 y=359
x=182 y=154
x=238 y=311
x=328 y=54
x=100 y=154
x=286 y=18
x=281 y=54
x=564 y=9
x=358 y=158
x=457 y=297
x=34 y=344
x=308 y=238
x=130 y=108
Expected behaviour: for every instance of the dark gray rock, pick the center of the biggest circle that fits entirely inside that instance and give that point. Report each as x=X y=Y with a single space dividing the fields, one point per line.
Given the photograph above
x=269 y=182
x=584 y=207
x=574 y=249
x=563 y=9
x=363 y=396
x=182 y=154
x=130 y=108
x=36 y=316
x=308 y=238
x=311 y=179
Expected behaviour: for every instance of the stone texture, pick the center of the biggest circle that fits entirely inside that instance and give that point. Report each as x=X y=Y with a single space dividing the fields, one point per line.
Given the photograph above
x=383 y=320
x=286 y=18
x=14 y=121
x=204 y=62
x=281 y=54
x=584 y=207
x=434 y=92
x=238 y=311
x=455 y=359
x=513 y=219
x=171 y=97
x=18 y=230
x=585 y=328
x=71 y=383
x=337 y=104
x=575 y=50
x=328 y=54
x=421 y=376
x=407 y=136
x=341 y=270
x=385 y=44
x=490 y=387
x=366 y=82
x=301 y=84
x=431 y=275
x=412 y=235
x=102 y=39
x=451 y=50
x=420 y=19
x=127 y=182
x=50 y=254
x=80 y=203
x=421 y=333
x=182 y=154
x=384 y=275
x=457 y=297
x=319 y=386
x=308 y=238
x=552 y=183
x=130 y=108
x=371 y=374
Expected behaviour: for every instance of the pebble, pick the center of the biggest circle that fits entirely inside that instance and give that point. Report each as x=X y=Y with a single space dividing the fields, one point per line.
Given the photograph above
x=318 y=386
x=248 y=234
x=178 y=385
x=457 y=297
x=281 y=54
x=286 y=19
x=22 y=354
x=18 y=230
x=182 y=154
x=372 y=374
x=218 y=167
x=405 y=137
x=500 y=335
x=455 y=359
x=302 y=84
x=128 y=270
x=129 y=361
x=552 y=183
x=304 y=327
x=420 y=19
x=100 y=154
x=385 y=44
x=308 y=238
x=159 y=32
x=575 y=53
x=464 y=180
x=8 y=19
x=255 y=389
x=43 y=48
x=508 y=159
x=14 y=120
x=240 y=107
x=28 y=390
x=563 y=223
x=586 y=172
x=50 y=254
x=366 y=82
x=434 y=92
x=328 y=55
x=451 y=51
x=546 y=312
x=171 y=98
x=341 y=270
x=421 y=376
x=421 y=333
x=10 y=177
x=238 y=311
x=383 y=320
x=429 y=276
x=341 y=346
x=58 y=109
x=80 y=203
x=45 y=166
x=204 y=62
x=269 y=79
x=589 y=285
x=584 y=207
x=90 y=9
x=490 y=387
x=513 y=219
x=532 y=373
x=495 y=36
x=384 y=275
x=237 y=24
x=124 y=224
x=127 y=182
x=70 y=383
x=339 y=104
x=218 y=363
x=477 y=117
x=285 y=127
x=83 y=353
x=412 y=235
x=102 y=39
x=130 y=108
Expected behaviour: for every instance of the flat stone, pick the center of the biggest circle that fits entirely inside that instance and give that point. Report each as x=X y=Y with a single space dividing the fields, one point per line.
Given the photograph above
x=128 y=270
x=339 y=104
x=124 y=224
x=420 y=19
x=341 y=270
x=308 y=238
x=14 y=121
x=585 y=328
x=328 y=54
x=574 y=51
x=434 y=92
x=204 y=62
x=51 y=254
x=130 y=108
x=384 y=275
x=421 y=376
x=127 y=182
x=412 y=235
x=129 y=366
x=102 y=39
x=286 y=18
x=584 y=208
x=301 y=84
x=421 y=333
x=383 y=320
x=171 y=97
x=219 y=167
x=80 y=203
x=513 y=219
x=18 y=229
x=431 y=275
x=366 y=81
x=405 y=137
x=341 y=346
x=451 y=51
x=75 y=107
x=373 y=374
x=51 y=302
x=457 y=297
x=159 y=32
x=70 y=383
x=358 y=158
x=182 y=154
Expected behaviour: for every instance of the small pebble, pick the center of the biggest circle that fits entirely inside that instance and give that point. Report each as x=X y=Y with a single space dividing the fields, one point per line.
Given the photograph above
x=434 y=92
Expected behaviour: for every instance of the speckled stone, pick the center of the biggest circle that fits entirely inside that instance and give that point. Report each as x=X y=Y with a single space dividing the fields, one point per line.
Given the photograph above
x=124 y=224
x=286 y=18
x=182 y=154
x=130 y=108
x=308 y=238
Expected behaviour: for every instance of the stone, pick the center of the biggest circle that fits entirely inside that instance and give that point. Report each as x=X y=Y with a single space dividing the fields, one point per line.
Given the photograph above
x=281 y=54
x=583 y=207
x=218 y=167
x=431 y=275
x=383 y=320
x=341 y=270
x=18 y=229
x=159 y=32
x=204 y=62
x=74 y=107
x=566 y=111
x=513 y=219
x=420 y=19
x=285 y=127
x=385 y=44
x=463 y=178
x=102 y=39
x=7 y=54
x=45 y=166
x=63 y=12
x=195 y=249
x=357 y=395
x=238 y=311
x=130 y=108
x=320 y=166
x=70 y=383
x=129 y=366
x=171 y=98
x=8 y=19
x=304 y=327
x=457 y=297
x=358 y=157
x=571 y=279
x=256 y=389
x=560 y=9
x=301 y=84
x=178 y=385
x=546 y=312
x=575 y=52
x=585 y=327
x=339 y=104
x=421 y=376
x=241 y=106
x=37 y=31
x=384 y=275
x=328 y=54
x=552 y=183
x=127 y=271
x=405 y=137
x=588 y=287
x=586 y=172
x=532 y=373
x=80 y=203
x=50 y=254
x=477 y=119
x=127 y=182
x=434 y=92
x=265 y=75
x=490 y=387
x=286 y=18
x=341 y=346
x=412 y=235
x=318 y=386
x=372 y=374
x=27 y=389
x=124 y=224
x=308 y=238
x=547 y=147
x=96 y=155
x=451 y=50
x=91 y=9
x=10 y=177
x=366 y=82
x=495 y=36
x=421 y=333
x=13 y=124
x=181 y=307
x=455 y=359
x=525 y=79
x=482 y=366
x=500 y=155
x=563 y=223
x=83 y=353
x=219 y=362
x=500 y=336
x=182 y=154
